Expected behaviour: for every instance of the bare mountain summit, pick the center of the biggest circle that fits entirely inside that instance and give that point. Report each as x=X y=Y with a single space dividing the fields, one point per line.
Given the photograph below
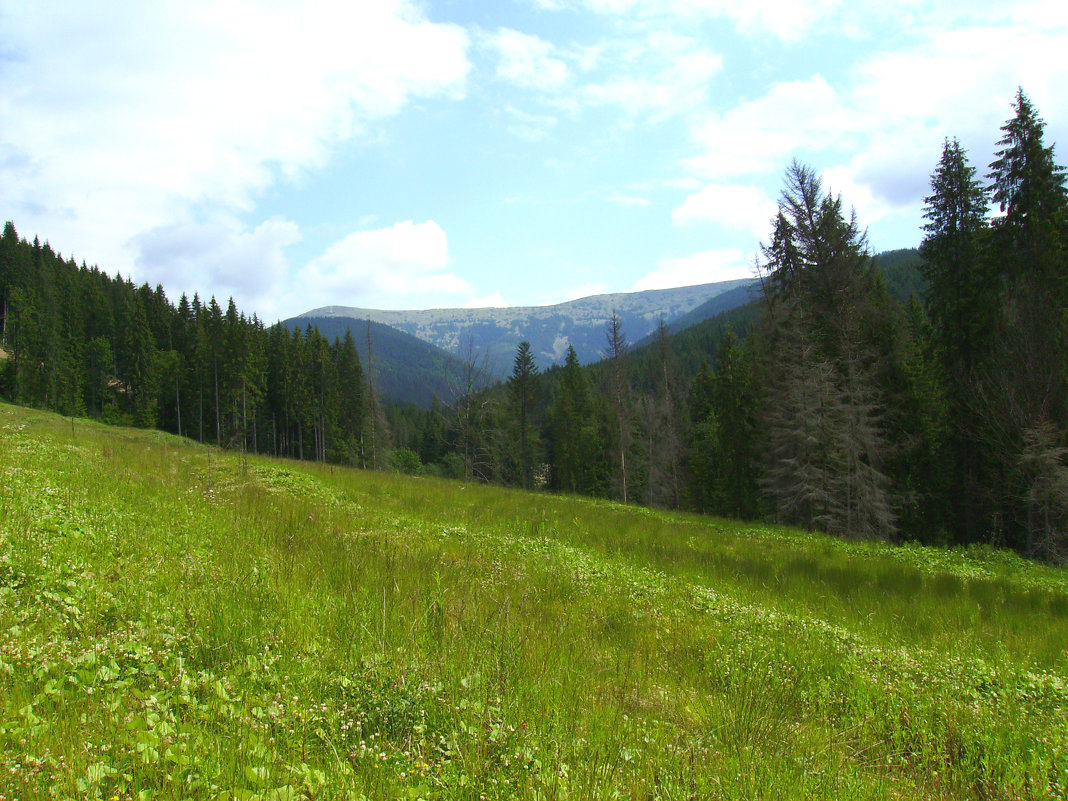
x=549 y=329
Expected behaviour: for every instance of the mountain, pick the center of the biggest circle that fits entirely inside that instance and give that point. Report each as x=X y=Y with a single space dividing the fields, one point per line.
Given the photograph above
x=717 y=305
x=902 y=272
x=550 y=329
x=406 y=368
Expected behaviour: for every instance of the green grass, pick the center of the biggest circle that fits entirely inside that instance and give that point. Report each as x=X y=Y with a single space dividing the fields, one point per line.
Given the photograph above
x=178 y=622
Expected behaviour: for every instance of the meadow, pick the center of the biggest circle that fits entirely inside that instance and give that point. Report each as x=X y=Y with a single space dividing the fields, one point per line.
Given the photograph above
x=179 y=622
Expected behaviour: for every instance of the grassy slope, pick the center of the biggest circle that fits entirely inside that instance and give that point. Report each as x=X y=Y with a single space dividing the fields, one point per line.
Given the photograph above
x=176 y=622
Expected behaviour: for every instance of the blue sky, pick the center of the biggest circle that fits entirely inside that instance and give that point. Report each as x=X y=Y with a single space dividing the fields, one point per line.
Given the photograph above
x=404 y=154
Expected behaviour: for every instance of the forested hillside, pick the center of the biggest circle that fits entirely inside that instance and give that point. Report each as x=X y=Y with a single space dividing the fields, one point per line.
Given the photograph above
x=494 y=332
x=856 y=395
x=183 y=623
x=406 y=369
x=85 y=344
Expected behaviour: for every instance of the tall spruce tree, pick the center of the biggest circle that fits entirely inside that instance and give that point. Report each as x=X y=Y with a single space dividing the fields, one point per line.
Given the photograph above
x=822 y=421
x=351 y=398
x=616 y=348
x=1029 y=187
x=576 y=436
x=961 y=302
x=523 y=391
x=1024 y=389
x=735 y=401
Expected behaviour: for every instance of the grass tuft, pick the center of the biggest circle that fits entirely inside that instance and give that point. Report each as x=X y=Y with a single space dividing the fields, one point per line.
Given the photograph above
x=178 y=622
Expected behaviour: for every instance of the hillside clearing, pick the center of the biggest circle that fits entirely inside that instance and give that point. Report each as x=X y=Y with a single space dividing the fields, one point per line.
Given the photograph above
x=180 y=622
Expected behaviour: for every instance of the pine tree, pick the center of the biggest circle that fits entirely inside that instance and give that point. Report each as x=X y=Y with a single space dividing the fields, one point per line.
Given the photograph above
x=577 y=460
x=1029 y=188
x=615 y=352
x=961 y=303
x=522 y=389
x=1023 y=391
x=734 y=397
x=351 y=392
x=665 y=451
x=137 y=363
x=822 y=420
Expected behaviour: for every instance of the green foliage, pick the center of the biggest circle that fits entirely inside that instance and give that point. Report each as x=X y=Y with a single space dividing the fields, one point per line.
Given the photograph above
x=523 y=397
x=832 y=399
x=405 y=460
x=825 y=347
x=576 y=435
x=177 y=621
x=80 y=342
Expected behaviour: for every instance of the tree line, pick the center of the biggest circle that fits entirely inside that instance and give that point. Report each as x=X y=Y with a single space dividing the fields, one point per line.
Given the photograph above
x=830 y=403
x=82 y=343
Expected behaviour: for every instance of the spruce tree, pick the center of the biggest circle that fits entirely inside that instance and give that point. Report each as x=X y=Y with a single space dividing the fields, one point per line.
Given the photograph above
x=822 y=420
x=522 y=388
x=961 y=301
x=735 y=402
x=1029 y=188
x=351 y=397
x=616 y=347
x=1023 y=394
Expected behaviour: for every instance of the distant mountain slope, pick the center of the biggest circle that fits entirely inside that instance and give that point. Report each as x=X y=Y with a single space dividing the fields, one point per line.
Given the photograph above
x=549 y=329
x=901 y=271
x=698 y=335
x=406 y=368
x=713 y=307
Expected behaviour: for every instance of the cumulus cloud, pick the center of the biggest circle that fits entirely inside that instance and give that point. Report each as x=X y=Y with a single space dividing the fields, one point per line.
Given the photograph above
x=525 y=60
x=706 y=267
x=148 y=119
x=402 y=266
x=789 y=20
x=531 y=127
x=659 y=75
x=784 y=19
x=741 y=207
x=758 y=136
x=230 y=260
x=877 y=134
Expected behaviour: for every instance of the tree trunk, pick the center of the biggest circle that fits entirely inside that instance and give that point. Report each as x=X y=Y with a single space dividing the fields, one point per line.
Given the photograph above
x=218 y=426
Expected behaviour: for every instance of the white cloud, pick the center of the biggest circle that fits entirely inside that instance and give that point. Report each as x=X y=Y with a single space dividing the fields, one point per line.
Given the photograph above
x=527 y=60
x=531 y=127
x=761 y=135
x=784 y=19
x=707 y=267
x=161 y=115
x=877 y=134
x=221 y=259
x=788 y=20
x=403 y=266
x=741 y=207
x=661 y=75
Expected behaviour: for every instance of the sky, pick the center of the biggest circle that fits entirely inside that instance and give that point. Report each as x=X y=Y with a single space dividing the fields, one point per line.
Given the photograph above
x=406 y=154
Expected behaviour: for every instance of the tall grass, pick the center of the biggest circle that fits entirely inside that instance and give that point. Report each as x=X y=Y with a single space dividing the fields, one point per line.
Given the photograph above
x=179 y=622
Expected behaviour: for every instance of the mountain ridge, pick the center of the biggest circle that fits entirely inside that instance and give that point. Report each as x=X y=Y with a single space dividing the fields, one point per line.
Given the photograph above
x=495 y=331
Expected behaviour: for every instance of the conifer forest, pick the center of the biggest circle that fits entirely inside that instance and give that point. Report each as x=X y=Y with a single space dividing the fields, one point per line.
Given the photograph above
x=913 y=396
